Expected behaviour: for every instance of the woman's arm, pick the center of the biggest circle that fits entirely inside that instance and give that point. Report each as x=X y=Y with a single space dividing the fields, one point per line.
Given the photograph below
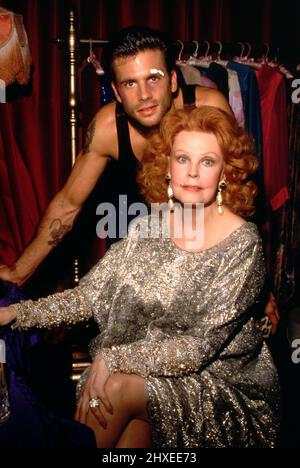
x=74 y=305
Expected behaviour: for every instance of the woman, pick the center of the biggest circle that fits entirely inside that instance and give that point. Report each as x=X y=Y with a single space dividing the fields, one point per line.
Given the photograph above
x=180 y=360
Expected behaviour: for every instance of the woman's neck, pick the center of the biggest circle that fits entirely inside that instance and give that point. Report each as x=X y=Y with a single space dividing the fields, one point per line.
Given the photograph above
x=194 y=228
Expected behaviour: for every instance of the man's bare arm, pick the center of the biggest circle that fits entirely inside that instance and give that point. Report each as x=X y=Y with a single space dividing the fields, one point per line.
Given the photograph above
x=66 y=205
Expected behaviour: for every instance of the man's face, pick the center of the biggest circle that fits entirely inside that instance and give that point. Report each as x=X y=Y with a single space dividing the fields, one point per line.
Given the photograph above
x=144 y=86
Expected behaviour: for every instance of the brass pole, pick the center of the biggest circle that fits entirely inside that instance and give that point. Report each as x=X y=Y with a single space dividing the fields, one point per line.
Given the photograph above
x=73 y=105
x=73 y=92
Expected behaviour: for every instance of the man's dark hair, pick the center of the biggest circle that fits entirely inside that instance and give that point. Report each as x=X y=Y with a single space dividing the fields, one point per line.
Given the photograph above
x=132 y=40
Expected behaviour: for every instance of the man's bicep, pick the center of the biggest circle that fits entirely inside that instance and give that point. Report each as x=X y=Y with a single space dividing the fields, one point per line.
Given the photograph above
x=84 y=176
x=99 y=148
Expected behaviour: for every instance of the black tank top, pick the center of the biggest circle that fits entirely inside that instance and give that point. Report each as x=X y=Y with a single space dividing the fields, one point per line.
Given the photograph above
x=188 y=95
x=127 y=161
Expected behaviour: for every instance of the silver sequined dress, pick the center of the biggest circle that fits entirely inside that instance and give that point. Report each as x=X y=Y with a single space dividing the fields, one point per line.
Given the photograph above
x=186 y=323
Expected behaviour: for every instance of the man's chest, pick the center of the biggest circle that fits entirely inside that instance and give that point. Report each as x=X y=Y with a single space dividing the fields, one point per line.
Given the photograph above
x=138 y=143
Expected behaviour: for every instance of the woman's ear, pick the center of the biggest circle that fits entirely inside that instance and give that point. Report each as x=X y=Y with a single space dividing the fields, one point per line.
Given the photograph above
x=223 y=175
x=169 y=165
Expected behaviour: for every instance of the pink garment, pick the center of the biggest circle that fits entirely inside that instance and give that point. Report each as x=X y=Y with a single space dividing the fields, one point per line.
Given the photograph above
x=193 y=75
x=235 y=97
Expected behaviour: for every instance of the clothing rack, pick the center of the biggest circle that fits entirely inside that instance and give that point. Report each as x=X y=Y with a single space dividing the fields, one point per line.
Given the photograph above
x=73 y=48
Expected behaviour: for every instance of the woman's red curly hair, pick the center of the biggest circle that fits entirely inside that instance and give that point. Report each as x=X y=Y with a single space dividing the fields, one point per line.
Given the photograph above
x=237 y=147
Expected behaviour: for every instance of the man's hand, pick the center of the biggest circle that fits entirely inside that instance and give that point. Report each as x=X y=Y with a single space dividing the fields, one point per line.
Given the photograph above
x=95 y=389
x=7 y=315
x=10 y=274
x=272 y=312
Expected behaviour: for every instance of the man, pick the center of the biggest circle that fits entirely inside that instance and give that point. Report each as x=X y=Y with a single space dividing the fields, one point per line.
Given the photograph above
x=145 y=87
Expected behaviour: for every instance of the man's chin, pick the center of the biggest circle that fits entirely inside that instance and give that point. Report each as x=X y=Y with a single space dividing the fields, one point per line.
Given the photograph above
x=149 y=122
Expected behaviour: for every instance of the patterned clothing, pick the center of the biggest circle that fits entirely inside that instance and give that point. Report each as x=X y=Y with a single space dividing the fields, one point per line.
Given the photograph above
x=186 y=323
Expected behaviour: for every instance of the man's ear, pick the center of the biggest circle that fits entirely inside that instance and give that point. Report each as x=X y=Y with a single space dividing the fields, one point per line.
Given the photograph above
x=174 y=83
x=118 y=98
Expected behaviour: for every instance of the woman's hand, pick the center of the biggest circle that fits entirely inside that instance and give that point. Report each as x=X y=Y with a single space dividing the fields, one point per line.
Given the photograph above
x=7 y=315
x=95 y=389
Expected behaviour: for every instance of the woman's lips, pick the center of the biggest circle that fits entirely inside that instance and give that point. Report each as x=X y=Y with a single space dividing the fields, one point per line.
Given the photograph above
x=191 y=188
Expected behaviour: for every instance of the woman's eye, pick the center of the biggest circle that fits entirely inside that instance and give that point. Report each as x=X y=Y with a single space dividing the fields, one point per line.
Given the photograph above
x=208 y=162
x=182 y=158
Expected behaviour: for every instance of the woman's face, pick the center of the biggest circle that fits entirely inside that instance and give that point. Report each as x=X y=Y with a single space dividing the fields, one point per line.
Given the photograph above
x=196 y=164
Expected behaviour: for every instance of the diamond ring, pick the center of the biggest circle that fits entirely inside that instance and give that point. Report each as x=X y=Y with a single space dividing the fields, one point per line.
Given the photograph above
x=95 y=402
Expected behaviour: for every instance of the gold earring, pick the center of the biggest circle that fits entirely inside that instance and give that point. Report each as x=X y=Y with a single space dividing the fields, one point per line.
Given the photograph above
x=170 y=192
x=219 y=199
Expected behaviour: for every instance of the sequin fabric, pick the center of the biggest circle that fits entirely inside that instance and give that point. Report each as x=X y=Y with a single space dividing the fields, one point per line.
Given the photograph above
x=186 y=323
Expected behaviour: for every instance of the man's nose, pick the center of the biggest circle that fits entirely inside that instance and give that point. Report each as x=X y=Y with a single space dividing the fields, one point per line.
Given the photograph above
x=144 y=92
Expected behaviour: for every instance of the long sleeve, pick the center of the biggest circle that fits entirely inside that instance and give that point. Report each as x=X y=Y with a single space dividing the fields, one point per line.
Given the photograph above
x=221 y=313
x=78 y=304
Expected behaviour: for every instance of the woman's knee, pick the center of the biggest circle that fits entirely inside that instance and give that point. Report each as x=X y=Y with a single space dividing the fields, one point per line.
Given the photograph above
x=127 y=389
x=117 y=385
x=122 y=383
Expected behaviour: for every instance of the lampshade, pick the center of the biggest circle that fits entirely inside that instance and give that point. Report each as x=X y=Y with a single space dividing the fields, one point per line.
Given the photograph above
x=15 y=58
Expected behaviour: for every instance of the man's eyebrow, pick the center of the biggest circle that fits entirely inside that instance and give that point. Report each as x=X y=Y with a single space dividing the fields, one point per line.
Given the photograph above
x=128 y=79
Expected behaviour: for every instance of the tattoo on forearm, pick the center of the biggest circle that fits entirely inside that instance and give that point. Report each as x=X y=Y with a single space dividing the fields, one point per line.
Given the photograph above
x=89 y=136
x=58 y=231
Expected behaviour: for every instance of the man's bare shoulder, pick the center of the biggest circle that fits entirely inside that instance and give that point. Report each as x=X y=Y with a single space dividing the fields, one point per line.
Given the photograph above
x=211 y=97
x=105 y=139
x=106 y=113
x=205 y=97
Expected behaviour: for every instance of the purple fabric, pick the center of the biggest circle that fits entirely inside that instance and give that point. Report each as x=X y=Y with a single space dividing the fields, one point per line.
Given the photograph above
x=30 y=425
x=12 y=294
x=18 y=342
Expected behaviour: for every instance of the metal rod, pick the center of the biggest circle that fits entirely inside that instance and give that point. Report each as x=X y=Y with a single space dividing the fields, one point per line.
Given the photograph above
x=214 y=46
x=93 y=41
x=100 y=42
